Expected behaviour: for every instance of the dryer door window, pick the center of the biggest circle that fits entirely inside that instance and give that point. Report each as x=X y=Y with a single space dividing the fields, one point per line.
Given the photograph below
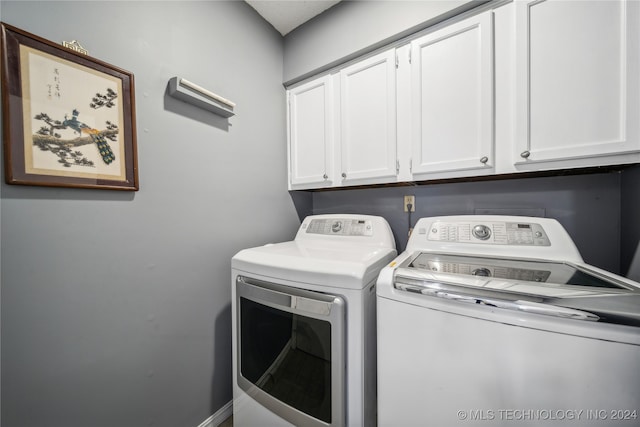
x=287 y=356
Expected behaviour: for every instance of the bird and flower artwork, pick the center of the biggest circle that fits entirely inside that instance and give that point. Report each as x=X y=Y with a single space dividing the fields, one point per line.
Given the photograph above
x=68 y=118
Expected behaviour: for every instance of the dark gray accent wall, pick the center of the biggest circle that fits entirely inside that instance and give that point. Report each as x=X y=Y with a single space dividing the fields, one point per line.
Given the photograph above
x=115 y=306
x=588 y=206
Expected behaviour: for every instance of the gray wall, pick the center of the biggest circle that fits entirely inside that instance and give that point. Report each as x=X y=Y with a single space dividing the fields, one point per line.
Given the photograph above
x=352 y=28
x=588 y=206
x=116 y=305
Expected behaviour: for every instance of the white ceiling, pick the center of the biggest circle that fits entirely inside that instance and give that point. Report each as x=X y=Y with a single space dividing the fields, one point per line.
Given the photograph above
x=285 y=15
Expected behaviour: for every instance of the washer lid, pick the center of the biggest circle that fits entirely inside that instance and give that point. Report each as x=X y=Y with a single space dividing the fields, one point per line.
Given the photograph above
x=560 y=289
x=334 y=264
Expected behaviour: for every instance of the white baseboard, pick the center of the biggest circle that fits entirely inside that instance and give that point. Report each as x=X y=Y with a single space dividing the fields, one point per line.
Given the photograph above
x=221 y=414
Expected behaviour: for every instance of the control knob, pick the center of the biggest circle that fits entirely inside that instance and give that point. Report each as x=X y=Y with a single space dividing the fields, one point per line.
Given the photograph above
x=483 y=272
x=481 y=231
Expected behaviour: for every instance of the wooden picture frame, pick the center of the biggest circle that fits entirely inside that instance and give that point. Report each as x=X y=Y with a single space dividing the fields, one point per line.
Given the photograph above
x=68 y=118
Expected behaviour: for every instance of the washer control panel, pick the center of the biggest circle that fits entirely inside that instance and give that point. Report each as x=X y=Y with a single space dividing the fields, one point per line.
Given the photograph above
x=340 y=226
x=490 y=233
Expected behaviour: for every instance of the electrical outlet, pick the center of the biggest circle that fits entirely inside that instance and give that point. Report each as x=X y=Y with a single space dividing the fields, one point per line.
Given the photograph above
x=409 y=200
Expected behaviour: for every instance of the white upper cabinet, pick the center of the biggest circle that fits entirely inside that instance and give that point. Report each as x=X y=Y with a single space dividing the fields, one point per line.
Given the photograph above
x=452 y=99
x=368 y=120
x=527 y=85
x=311 y=109
x=577 y=80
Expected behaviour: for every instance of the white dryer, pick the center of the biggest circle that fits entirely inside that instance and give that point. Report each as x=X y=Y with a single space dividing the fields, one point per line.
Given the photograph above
x=304 y=324
x=496 y=320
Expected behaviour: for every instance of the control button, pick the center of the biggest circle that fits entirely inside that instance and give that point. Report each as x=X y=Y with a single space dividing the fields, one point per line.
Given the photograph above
x=481 y=232
x=336 y=226
x=484 y=272
x=434 y=230
x=538 y=234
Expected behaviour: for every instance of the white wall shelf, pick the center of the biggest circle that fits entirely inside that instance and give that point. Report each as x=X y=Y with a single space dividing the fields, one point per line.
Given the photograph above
x=191 y=93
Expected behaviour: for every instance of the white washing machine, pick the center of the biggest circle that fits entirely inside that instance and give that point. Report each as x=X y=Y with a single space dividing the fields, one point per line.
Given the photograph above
x=496 y=320
x=304 y=324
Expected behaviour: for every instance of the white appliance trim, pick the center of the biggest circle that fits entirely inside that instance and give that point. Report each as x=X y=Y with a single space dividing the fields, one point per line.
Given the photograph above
x=219 y=416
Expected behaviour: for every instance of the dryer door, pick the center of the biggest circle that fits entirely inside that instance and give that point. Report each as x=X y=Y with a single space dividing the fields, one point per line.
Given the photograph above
x=291 y=353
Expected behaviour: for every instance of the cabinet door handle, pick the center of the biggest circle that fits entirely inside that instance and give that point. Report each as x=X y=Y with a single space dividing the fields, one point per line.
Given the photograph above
x=525 y=154
x=325 y=176
x=344 y=175
x=484 y=160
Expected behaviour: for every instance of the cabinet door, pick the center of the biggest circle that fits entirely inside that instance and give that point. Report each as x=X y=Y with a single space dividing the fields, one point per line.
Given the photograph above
x=311 y=133
x=452 y=98
x=368 y=119
x=577 y=79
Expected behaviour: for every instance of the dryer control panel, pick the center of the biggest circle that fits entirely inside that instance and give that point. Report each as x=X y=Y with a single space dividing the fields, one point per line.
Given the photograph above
x=491 y=233
x=340 y=226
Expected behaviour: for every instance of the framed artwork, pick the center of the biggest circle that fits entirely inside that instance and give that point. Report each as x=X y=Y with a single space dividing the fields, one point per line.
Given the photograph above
x=68 y=118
